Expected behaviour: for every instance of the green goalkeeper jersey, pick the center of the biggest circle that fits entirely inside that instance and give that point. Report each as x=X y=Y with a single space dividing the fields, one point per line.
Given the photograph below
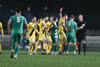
x=17 y=22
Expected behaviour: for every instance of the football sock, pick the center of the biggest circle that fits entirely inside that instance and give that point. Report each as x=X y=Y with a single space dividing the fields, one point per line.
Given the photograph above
x=46 y=47
x=55 y=48
x=36 y=47
x=0 y=48
x=31 y=48
x=79 y=48
x=60 y=45
x=49 y=47
x=67 y=47
x=17 y=50
x=52 y=48
x=74 y=47
x=84 y=47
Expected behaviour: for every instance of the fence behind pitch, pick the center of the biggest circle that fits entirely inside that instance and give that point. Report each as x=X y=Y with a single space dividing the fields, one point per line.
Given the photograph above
x=93 y=43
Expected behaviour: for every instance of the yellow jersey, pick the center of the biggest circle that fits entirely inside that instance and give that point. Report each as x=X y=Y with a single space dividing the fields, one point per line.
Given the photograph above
x=41 y=26
x=61 y=22
x=48 y=24
x=0 y=25
x=1 y=28
x=32 y=29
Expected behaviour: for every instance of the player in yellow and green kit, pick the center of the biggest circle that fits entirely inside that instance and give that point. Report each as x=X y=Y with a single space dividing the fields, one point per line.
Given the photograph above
x=54 y=35
x=1 y=29
x=15 y=25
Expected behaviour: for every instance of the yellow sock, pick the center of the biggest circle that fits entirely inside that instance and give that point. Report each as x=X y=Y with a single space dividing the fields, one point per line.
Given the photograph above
x=0 y=47
x=46 y=47
x=41 y=48
x=60 y=45
x=36 y=47
x=49 y=47
x=31 y=47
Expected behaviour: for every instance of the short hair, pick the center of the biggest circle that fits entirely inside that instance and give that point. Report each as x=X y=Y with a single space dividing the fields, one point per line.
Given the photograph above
x=54 y=18
x=72 y=16
x=80 y=15
x=17 y=10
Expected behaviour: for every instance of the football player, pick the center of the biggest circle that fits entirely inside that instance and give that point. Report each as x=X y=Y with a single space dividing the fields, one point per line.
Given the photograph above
x=2 y=35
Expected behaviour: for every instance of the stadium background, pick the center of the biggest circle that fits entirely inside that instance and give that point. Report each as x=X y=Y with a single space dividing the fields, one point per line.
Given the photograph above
x=90 y=10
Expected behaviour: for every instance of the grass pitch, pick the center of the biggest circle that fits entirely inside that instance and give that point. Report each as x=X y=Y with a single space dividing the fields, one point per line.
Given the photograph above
x=92 y=59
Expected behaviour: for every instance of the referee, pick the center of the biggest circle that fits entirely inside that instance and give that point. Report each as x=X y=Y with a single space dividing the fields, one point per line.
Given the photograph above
x=81 y=34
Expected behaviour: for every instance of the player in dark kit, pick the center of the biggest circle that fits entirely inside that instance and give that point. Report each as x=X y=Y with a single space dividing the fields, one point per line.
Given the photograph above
x=81 y=34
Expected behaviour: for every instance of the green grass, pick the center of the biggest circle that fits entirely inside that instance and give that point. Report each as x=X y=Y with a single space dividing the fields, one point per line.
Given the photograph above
x=92 y=59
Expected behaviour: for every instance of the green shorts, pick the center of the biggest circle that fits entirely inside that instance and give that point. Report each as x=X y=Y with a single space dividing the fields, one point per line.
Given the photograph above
x=54 y=39
x=16 y=38
x=71 y=37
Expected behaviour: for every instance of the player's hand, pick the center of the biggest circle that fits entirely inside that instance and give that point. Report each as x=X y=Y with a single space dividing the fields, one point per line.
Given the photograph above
x=49 y=34
x=80 y=28
x=61 y=9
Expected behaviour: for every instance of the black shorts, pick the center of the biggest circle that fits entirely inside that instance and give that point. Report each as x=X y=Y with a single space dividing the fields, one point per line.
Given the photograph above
x=80 y=38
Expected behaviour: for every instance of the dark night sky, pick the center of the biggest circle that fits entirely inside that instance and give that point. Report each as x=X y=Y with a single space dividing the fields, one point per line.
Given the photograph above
x=89 y=8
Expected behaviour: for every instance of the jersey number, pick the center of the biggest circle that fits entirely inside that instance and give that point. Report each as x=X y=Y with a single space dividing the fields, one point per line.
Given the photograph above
x=18 y=19
x=69 y=24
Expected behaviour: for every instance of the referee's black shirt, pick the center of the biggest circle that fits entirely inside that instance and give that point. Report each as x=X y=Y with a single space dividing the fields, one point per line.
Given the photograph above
x=81 y=32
